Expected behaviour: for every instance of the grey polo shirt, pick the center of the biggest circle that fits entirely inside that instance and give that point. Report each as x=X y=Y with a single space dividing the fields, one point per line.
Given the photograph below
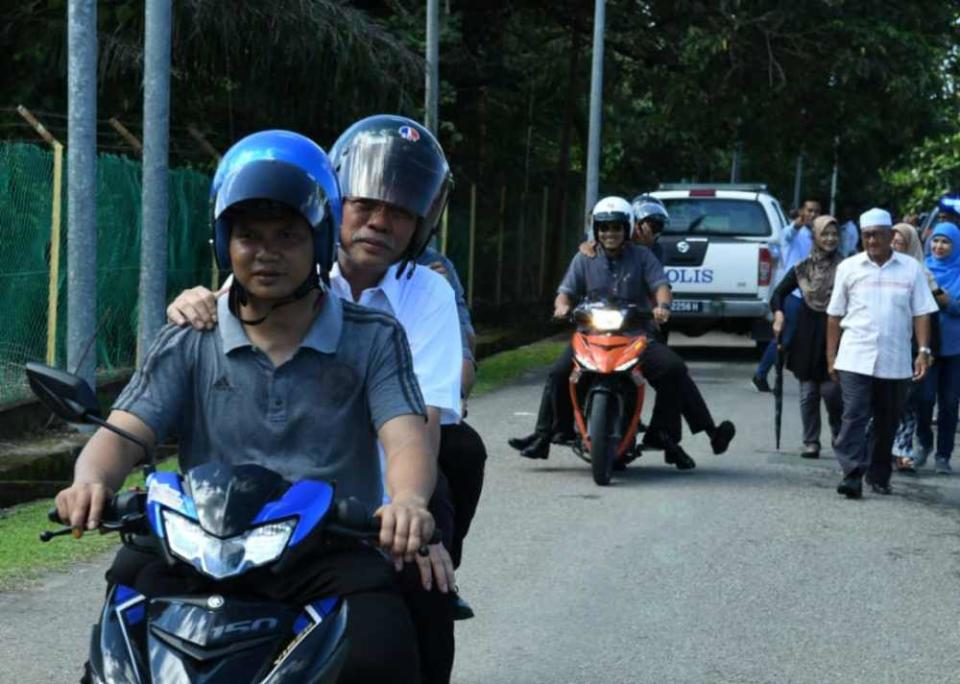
x=633 y=276
x=314 y=417
x=430 y=256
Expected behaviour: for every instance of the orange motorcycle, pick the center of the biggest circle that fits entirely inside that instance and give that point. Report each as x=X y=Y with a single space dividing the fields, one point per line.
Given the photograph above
x=607 y=384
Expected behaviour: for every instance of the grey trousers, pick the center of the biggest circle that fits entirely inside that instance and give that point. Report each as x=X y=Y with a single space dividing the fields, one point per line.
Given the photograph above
x=811 y=392
x=866 y=397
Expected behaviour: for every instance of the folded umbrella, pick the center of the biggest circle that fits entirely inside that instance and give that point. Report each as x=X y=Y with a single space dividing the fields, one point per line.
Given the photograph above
x=778 y=393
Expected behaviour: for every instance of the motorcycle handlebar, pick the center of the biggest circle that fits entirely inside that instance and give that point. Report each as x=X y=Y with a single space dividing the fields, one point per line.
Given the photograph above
x=350 y=518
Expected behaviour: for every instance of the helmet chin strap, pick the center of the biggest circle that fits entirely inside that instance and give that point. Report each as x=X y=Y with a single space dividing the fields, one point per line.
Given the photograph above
x=238 y=297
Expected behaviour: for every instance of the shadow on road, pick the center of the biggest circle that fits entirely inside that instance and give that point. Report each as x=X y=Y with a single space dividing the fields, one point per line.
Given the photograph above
x=640 y=475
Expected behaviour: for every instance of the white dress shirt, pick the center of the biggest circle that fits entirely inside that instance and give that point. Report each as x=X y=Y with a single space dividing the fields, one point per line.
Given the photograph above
x=877 y=305
x=425 y=306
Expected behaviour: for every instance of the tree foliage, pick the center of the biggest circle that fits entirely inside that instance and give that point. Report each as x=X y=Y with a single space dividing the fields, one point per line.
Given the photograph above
x=686 y=82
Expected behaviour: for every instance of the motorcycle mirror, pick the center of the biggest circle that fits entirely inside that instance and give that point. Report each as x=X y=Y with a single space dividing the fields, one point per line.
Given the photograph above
x=73 y=400
x=67 y=395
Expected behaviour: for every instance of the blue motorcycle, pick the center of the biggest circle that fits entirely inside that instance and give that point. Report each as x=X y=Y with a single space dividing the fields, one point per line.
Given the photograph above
x=223 y=521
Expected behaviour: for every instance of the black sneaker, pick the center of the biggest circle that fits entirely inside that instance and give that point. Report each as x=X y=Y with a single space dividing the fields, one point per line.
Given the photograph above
x=760 y=383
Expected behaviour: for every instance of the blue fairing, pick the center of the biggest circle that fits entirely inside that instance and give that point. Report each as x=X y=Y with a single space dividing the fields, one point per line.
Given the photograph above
x=164 y=490
x=309 y=500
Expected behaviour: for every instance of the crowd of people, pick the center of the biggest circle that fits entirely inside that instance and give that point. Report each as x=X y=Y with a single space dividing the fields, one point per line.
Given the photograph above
x=867 y=318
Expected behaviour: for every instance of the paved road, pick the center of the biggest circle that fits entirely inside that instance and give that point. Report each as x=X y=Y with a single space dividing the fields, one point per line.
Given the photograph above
x=748 y=569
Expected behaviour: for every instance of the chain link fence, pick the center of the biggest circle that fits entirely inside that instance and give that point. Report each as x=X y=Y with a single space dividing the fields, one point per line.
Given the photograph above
x=26 y=182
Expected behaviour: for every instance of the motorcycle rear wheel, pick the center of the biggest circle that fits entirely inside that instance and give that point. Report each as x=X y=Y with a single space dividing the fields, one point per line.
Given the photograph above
x=602 y=444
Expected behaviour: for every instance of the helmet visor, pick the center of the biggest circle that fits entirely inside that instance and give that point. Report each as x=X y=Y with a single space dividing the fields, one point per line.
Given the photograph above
x=388 y=168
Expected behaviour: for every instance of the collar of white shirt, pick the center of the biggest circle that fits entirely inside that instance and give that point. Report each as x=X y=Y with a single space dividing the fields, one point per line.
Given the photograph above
x=389 y=287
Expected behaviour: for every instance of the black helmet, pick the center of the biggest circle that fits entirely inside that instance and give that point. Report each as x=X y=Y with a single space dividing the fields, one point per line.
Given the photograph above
x=394 y=159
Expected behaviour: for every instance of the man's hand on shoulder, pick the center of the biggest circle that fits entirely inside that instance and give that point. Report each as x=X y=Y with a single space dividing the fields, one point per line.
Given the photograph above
x=588 y=248
x=195 y=307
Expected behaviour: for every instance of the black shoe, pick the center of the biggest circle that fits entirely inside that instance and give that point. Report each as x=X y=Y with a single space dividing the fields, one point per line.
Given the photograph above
x=760 y=383
x=461 y=609
x=539 y=448
x=811 y=451
x=722 y=436
x=619 y=465
x=878 y=488
x=563 y=438
x=679 y=458
x=521 y=443
x=850 y=487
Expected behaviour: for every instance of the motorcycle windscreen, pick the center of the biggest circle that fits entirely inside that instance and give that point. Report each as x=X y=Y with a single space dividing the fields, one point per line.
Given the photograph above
x=228 y=498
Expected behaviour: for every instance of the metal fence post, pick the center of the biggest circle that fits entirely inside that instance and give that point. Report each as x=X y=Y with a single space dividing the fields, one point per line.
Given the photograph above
x=53 y=291
x=543 y=241
x=156 y=133
x=500 y=227
x=215 y=154
x=444 y=234
x=473 y=240
x=82 y=188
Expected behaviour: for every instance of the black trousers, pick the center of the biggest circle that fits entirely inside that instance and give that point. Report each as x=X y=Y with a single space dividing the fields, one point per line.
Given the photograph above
x=864 y=398
x=380 y=630
x=664 y=370
x=693 y=408
x=463 y=458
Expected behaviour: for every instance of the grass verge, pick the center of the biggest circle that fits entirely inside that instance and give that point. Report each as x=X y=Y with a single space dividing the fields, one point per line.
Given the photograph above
x=23 y=558
x=500 y=369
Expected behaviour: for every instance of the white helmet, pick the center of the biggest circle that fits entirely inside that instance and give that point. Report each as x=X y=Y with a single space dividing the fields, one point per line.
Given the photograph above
x=613 y=210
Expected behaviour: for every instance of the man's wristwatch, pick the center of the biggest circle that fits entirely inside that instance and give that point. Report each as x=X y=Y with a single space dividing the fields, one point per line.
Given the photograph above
x=926 y=351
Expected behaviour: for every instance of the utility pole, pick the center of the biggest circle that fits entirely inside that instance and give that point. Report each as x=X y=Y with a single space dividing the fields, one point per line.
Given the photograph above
x=596 y=94
x=432 y=95
x=82 y=188
x=156 y=135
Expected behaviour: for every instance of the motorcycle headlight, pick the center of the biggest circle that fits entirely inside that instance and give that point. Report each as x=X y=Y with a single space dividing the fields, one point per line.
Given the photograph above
x=626 y=365
x=606 y=319
x=220 y=558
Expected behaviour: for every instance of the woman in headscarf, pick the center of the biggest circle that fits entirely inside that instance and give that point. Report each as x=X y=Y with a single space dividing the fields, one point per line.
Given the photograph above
x=906 y=241
x=942 y=384
x=807 y=356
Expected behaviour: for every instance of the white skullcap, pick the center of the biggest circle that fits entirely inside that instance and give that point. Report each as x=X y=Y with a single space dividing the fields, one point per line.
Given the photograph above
x=875 y=217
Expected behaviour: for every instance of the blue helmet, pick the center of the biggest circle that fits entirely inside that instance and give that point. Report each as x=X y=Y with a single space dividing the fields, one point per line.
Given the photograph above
x=282 y=167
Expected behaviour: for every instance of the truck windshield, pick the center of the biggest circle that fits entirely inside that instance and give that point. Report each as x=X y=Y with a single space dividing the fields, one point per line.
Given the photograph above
x=710 y=216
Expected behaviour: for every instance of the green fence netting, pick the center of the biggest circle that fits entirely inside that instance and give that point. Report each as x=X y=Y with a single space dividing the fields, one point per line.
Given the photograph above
x=26 y=182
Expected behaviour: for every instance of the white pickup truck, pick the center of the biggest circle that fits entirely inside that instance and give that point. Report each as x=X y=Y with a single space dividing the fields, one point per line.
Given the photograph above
x=716 y=255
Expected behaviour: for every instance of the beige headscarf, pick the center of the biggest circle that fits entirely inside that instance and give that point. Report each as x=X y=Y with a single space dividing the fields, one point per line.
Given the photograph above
x=914 y=248
x=815 y=274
